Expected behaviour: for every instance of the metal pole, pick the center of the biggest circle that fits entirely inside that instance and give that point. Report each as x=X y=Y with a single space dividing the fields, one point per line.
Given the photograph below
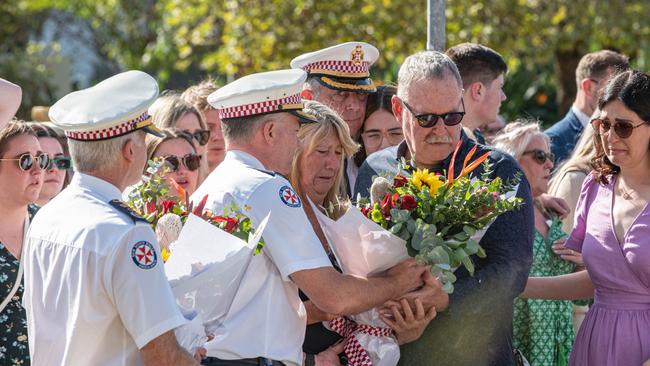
x=436 y=25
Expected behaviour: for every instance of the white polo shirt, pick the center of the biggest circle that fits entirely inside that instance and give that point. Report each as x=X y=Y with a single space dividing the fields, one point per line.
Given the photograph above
x=267 y=318
x=96 y=291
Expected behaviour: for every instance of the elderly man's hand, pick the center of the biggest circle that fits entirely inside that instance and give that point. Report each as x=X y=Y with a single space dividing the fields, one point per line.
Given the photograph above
x=330 y=357
x=431 y=295
x=408 y=275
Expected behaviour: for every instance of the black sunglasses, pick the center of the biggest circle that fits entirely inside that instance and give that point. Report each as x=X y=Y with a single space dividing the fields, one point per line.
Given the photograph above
x=201 y=136
x=428 y=120
x=191 y=161
x=622 y=128
x=540 y=156
x=60 y=162
x=26 y=161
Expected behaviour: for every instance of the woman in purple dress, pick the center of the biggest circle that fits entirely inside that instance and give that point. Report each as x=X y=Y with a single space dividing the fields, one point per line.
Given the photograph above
x=612 y=230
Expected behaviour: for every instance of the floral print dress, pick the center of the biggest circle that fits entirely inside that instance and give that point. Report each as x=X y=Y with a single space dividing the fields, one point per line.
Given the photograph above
x=14 y=349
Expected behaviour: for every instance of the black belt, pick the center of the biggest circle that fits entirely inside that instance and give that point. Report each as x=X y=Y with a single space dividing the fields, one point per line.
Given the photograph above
x=259 y=361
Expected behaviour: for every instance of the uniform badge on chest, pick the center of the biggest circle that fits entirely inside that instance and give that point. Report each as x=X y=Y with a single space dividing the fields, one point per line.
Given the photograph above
x=289 y=197
x=144 y=255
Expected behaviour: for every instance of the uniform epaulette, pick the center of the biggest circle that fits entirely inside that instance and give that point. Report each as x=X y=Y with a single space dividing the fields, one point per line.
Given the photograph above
x=123 y=208
x=266 y=172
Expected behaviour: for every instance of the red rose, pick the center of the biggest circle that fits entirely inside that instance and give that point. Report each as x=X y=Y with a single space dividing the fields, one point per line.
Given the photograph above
x=399 y=181
x=168 y=205
x=151 y=207
x=408 y=202
x=231 y=224
x=386 y=205
x=366 y=211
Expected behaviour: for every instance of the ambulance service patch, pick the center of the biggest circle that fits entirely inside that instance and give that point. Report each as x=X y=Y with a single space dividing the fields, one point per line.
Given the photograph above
x=143 y=255
x=289 y=197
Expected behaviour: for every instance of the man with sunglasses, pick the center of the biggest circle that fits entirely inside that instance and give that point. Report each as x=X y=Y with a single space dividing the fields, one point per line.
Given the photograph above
x=476 y=329
x=592 y=73
x=339 y=77
x=261 y=115
x=96 y=291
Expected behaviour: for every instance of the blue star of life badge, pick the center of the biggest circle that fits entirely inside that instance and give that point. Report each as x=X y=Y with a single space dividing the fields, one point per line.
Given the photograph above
x=289 y=197
x=144 y=255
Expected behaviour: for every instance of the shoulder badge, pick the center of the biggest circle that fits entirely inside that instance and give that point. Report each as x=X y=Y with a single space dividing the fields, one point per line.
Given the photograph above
x=144 y=255
x=123 y=208
x=289 y=197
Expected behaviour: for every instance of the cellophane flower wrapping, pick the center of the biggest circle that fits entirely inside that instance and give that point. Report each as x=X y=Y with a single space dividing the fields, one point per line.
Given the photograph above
x=364 y=248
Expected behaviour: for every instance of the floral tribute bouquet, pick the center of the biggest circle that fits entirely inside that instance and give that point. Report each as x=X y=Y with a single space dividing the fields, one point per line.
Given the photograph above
x=442 y=218
x=205 y=254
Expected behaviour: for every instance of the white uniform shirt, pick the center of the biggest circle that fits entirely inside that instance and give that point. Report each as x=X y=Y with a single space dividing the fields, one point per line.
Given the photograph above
x=267 y=318
x=96 y=291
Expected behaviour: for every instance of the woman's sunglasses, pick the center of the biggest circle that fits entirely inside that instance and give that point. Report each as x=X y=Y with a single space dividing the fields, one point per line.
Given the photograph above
x=540 y=156
x=26 y=161
x=201 y=136
x=60 y=162
x=428 y=120
x=191 y=161
x=623 y=129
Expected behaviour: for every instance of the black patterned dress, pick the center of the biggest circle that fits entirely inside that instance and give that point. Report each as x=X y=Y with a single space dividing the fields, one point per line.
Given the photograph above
x=14 y=349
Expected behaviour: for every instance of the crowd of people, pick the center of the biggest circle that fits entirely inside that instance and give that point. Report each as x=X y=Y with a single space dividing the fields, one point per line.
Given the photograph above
x=565 y=279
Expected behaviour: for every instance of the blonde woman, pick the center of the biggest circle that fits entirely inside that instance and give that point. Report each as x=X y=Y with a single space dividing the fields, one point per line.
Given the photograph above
x=317 y=175
x=177 y=149
x=171 y=111
x=542 y=329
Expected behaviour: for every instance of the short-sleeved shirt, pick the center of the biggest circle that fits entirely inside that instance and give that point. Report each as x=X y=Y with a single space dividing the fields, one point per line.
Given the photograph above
x=96 y=290
x=266 y=318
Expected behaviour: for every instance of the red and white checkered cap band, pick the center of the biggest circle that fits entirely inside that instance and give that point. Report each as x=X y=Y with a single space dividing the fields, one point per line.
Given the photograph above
x=106 y=133
x=349 y=67
x=356 y=354
x=267 y=106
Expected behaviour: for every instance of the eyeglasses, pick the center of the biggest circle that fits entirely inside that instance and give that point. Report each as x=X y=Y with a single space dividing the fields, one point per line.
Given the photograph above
x=60 y=162
x=540 y=156
x=190 y=161
x=201 y=136
x=26 y=161
x=428 y=120
x=374 y=138
x=622 y=128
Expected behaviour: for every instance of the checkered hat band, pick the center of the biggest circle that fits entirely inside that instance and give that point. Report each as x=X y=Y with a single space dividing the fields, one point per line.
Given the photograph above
x=340 y=66
x=107 y=133
x=267 y=106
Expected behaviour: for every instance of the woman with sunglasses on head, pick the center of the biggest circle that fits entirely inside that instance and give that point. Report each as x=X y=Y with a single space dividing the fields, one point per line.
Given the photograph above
x=59 y=172
x=612 y=231
x=171 y=111
x=178 y=151
x=543 y=329
x=21 y=176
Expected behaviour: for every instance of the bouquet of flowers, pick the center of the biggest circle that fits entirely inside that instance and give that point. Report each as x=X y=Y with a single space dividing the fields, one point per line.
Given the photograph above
x=166 y=206
x=442 y=218
x=210 y=252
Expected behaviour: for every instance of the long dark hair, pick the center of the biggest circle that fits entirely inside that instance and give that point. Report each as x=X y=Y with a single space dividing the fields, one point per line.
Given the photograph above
x=381 y=99
x=632 y=88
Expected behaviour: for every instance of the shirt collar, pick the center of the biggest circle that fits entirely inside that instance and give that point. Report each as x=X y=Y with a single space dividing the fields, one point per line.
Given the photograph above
x=583 y=118
x=244 y=158
x=97 y=186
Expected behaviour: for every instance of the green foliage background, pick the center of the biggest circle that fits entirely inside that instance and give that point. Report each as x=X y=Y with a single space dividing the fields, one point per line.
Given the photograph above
x=183 y=41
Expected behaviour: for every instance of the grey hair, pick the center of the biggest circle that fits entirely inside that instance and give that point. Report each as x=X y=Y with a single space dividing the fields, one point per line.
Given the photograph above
x=314 y=85
x=92 y=156
x=425 y=65
x=243 y=128
x=517 y=135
